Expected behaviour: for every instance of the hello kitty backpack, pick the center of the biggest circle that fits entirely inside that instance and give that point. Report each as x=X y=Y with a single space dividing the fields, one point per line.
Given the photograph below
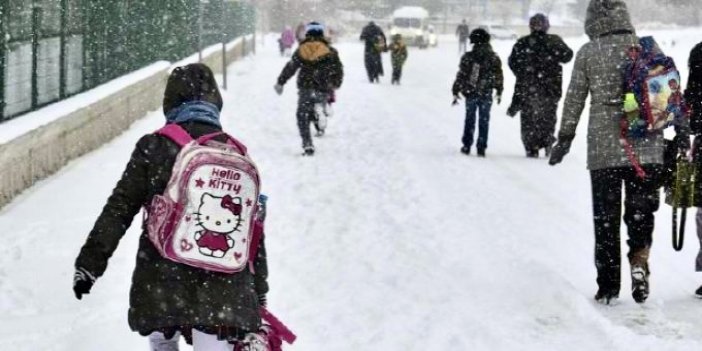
x=207 y=215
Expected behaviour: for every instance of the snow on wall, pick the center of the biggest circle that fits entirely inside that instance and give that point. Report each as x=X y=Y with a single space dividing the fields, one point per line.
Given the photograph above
x=37 y=145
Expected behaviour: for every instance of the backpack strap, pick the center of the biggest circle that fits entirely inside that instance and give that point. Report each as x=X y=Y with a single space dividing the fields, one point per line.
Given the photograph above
x=278 y=326
x=629 y=149
x=176 y=133
x=255 y=243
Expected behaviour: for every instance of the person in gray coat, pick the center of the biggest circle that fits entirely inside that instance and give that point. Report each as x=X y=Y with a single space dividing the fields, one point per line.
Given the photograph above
x=598 y=73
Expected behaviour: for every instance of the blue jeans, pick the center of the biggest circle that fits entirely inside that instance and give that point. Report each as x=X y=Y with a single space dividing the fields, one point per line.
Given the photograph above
x=482 y=106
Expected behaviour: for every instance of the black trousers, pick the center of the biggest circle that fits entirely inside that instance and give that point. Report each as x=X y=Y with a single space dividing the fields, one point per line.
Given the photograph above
x=374 y=65
x=641 y=201
x=538 y=122
x=396 y=73
x=306 y=114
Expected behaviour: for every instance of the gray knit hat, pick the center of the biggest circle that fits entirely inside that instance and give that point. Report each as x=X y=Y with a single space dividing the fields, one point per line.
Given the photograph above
x=607 y=16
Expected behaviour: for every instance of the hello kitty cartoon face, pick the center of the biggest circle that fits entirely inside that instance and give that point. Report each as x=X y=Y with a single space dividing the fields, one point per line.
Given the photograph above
x=220 y=214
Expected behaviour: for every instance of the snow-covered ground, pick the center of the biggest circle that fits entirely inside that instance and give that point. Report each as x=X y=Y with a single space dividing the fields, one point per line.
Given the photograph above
x=388 y=239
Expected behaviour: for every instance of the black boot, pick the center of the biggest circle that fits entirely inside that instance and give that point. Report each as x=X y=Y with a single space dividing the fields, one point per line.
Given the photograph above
x=639 y=284
x=465 y=150
x=606 y=296
x=481 y=152
x=698 y=292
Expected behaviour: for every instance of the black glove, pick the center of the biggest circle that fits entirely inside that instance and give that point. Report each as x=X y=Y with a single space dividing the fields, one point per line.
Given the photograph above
x=512 y=110
x=82 y=282
x=559 y=151
x=262 y=301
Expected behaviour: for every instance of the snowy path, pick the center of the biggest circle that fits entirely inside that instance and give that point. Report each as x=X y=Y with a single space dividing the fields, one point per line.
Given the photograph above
x=388 y=239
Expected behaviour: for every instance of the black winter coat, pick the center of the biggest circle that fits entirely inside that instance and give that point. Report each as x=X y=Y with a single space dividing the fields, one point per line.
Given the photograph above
x=370 y=35
x=319 y=65
x=164 y=294
x=488 y=66
x=693 y=97
x=536 y=62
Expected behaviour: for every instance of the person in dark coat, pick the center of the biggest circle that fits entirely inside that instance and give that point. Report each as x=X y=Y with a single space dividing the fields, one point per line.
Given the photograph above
x=321 y=73
x=611 y=33
x=480 y=72
x=462 y=32
x=169 y=298
x=536 y=61
x=375 y=44
x=693 y=97
x=398 y=54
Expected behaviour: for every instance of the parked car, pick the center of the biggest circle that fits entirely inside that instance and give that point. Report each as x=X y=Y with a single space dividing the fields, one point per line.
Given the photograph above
x=501 y=32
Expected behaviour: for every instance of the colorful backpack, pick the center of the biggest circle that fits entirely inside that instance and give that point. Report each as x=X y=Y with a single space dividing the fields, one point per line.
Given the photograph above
x=653 y=98
x=207 y=215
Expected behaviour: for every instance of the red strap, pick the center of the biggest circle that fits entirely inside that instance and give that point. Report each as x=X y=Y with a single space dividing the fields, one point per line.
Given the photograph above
x=176 y=133
x=278 y=326
x=629 y=149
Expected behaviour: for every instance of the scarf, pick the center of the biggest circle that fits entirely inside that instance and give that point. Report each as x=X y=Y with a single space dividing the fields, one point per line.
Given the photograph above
x=195 y=111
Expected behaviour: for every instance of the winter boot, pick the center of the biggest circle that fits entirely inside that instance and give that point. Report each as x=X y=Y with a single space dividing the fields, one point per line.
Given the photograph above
x=698 y=292
x=639 y=274
x=639 y=284
x=308 y=151
x=532 y=154
x=606 y=297
x=320 y=119
x=481 y=152
x=465 y=150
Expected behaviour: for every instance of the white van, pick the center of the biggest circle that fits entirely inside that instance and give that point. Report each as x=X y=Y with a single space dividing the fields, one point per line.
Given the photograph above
x=412 y=23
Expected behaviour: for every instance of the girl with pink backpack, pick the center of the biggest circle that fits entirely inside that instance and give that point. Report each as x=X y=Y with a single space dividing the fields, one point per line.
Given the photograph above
x=201 y=266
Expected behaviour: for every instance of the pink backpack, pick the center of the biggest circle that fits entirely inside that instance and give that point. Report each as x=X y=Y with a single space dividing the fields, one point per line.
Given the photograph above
x=207 y=215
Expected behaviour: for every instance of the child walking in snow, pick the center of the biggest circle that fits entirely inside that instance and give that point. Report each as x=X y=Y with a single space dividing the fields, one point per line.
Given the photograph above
x=480 y=73
x=693 y=97
x=320 y=74
x=167 y=298
x=398 y=54
x=286 y=41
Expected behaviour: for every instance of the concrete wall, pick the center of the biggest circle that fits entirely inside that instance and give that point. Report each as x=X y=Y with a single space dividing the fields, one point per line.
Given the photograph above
x=43 y=151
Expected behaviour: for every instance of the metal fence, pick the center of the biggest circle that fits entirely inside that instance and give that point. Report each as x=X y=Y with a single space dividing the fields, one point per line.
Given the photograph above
x=52 y=49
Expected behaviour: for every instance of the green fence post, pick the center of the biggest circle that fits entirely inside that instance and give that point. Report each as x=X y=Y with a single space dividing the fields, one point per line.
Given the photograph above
x=36 y=22
x=4 y=9
x=84 y=47
x=62 y=54
x=224 y=46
